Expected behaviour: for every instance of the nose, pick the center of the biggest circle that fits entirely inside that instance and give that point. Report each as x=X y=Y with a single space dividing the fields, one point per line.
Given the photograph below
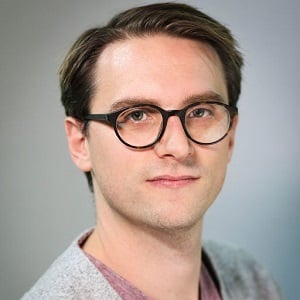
x=174 y=142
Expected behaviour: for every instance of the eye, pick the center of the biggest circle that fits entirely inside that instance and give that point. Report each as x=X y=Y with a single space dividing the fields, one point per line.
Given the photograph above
x=137 y=115
x=200 y=112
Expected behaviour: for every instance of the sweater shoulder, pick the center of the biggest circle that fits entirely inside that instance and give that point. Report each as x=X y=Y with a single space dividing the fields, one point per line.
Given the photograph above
x=239 y=274
x=71 y=276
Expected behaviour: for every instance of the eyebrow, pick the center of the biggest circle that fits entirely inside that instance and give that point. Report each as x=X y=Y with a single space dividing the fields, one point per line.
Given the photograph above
x=131 y=101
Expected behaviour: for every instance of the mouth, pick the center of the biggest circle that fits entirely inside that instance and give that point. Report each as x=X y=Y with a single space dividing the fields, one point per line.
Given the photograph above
x=173 y=181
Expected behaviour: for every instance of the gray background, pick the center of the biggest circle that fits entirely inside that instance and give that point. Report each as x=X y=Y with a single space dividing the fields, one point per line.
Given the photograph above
x=45 y=201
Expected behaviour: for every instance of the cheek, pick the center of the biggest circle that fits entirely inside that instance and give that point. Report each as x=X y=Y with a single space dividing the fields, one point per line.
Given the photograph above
x=106 y=161
x=216 y=166
x=110 y=159
x=216 y=160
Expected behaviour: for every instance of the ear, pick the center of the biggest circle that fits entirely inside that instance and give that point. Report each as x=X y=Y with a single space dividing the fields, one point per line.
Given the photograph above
x=231 y=135
x=77 y=143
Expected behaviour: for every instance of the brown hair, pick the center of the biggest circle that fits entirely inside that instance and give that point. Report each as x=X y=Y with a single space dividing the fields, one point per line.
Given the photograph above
x=173 y=19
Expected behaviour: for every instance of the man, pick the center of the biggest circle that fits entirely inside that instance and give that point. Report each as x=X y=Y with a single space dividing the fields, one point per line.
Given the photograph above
x=151 y=113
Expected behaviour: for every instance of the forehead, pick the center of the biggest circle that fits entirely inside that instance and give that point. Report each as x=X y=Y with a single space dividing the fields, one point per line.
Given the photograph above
x=157 y=67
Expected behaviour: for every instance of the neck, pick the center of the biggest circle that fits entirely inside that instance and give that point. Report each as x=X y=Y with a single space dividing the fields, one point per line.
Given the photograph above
x=170 y=259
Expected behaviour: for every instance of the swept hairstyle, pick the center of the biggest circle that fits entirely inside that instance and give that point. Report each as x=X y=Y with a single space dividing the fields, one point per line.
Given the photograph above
x=77 y=72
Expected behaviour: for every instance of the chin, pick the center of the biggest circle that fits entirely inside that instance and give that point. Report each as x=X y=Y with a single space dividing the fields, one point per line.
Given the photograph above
x=173 y=223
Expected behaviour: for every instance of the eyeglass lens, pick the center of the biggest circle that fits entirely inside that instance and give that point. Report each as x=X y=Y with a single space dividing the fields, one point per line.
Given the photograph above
x=204 y=123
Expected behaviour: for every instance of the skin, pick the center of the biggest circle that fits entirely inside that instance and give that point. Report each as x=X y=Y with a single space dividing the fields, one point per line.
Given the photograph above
x=153 y=201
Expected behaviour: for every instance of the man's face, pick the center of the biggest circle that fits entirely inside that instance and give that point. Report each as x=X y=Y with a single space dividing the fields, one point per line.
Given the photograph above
x=172 y=184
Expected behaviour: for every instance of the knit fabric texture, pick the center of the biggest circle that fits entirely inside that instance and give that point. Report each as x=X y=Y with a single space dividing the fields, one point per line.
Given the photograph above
x=74 y=276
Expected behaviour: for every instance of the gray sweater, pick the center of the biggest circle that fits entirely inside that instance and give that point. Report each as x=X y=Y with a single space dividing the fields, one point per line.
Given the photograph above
x=74 y=276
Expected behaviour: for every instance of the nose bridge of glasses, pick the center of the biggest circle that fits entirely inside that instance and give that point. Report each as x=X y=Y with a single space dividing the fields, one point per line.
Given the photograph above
x=173 y=113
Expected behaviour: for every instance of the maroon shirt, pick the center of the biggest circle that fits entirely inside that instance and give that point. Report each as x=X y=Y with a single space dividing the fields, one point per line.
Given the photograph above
x=127 y=291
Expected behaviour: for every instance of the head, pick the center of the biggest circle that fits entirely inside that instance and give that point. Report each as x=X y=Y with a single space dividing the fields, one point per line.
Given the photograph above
x=77 y=74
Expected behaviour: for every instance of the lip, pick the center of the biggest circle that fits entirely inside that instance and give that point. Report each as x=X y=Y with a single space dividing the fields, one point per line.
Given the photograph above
x=170 y=181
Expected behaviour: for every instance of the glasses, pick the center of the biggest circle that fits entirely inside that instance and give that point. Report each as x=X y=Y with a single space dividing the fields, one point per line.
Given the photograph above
x=143 y=125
